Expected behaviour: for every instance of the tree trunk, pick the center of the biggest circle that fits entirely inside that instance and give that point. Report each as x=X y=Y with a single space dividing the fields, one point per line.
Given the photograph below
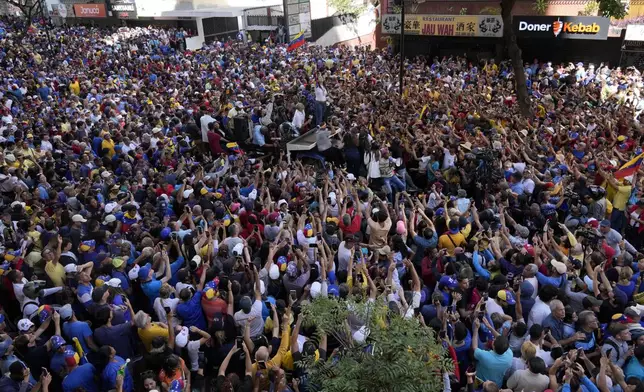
x=515 y=57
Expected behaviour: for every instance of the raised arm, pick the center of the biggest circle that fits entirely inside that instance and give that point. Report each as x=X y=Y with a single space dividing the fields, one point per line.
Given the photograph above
x=170 y=330
x=224 y=364
x=168 y=270
x=231 y=301
x=258 y=290
x=247 y=340
x=205 y=336
x=295 y=348
x=415 y=280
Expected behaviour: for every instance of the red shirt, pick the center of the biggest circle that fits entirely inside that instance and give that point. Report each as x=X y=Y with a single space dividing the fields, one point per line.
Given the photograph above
x=640 y=229
x=214 y=140
x=354 y=227
x=213 y=306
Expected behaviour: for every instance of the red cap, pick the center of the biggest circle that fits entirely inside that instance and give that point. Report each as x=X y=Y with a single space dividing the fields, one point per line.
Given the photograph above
x=610 y=252
x=273 y=216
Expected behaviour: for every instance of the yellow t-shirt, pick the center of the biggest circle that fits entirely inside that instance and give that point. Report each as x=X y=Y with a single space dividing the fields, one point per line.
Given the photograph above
x=147 y=335
x=621 y=197
x=56 y=273
x=74 y=87
x=444 y=242
x=109 y=145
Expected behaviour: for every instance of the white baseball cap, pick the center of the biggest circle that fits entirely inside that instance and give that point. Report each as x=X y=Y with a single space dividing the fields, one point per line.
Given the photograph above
x=238 y=249
x=18 y=203
x=114 y=282
x=274 y=272
x=71 y=268
x=109 y=207
x=78 y=218
x=24 y=325
x=182 y=337
x=109 y=219
x=316 y=289
x=134 y=272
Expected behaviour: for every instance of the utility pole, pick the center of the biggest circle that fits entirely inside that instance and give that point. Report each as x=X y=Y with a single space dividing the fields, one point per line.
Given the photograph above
x=402 y=45
x=287 y=33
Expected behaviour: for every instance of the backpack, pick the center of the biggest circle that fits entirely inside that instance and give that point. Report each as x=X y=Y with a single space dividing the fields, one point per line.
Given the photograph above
x=615 y=347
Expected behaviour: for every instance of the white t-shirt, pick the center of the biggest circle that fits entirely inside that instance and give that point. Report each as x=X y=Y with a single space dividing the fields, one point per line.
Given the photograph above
x=159 y=305
x=528 y=186
x=17 y=290
x=180 y=286
x=535 y=283
x=448 y=159
x=344 y=254
x=204 y=121
x=257 y=325
x=415 y=304
x=545 y=355
x=193 y=352
x=422 y=164
x=492 y=307
x=298 y=119
x=538 y=313
x=45 y=145
x=434 y=201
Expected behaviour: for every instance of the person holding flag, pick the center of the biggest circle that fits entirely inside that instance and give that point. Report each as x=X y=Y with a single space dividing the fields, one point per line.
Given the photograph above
x=622 y=181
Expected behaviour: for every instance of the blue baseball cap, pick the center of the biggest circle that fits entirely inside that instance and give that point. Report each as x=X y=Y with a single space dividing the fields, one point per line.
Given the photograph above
x=448 y=281
x=57 y=342
x=165 y=233
x=144 y=271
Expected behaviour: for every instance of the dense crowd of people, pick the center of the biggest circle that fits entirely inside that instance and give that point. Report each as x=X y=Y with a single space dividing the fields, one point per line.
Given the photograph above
x=156 y=236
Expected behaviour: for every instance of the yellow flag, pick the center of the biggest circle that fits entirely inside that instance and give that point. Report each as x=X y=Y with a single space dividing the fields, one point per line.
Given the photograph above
x=422 y=112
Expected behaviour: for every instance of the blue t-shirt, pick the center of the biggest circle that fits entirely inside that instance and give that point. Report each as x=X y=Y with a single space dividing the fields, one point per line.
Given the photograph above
x=423 y=243
x=258 y=136
x=82 y=376
x=628 y=289
x=462 y=353
x=544 y=280
x=246 y=190
x=151 y=288
x=190 y=312
x=111 y=371
x=84 y=294
x=634 y=369
x=57 y=363
x=492 y=366
x=77 y=329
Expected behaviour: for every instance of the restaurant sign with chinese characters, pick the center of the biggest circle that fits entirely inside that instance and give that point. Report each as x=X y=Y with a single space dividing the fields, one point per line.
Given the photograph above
x=445 y=25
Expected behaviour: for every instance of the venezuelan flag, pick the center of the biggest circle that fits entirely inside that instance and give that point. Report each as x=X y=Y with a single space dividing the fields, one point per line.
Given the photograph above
x=296 y=42
x=234 y=147
x=630 y=167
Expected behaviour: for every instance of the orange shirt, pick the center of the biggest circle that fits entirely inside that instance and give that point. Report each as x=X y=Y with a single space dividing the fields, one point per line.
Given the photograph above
x=178 y=373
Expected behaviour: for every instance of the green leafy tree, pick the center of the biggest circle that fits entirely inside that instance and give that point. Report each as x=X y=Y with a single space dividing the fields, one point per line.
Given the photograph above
x=398 y=355
x=607 y=8
x=540 y=6
x=590 y=9
x=28 y=8
x=351 y=8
